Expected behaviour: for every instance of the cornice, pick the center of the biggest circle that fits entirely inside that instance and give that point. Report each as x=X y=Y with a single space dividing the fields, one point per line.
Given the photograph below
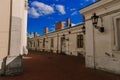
x=96 y=5
x=101 y=8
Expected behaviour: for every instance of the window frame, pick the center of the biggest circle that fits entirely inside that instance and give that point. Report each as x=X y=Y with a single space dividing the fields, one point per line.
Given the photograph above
x=116 y=31
x=43 y=42
x=80 y=41
x=52 y=42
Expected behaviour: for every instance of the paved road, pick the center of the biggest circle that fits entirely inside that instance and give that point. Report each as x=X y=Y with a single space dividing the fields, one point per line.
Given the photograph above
x=39 y=66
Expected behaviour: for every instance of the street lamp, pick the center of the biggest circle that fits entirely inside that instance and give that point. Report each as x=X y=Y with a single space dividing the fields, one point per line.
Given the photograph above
x=83 y=29
x=95 y=22
x=64 y=38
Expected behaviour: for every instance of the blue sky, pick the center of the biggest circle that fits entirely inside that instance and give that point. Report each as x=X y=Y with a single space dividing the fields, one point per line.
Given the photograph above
x=45 y=13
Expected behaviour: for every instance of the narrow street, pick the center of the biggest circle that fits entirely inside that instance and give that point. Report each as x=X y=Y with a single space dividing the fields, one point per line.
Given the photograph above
x=39 y=66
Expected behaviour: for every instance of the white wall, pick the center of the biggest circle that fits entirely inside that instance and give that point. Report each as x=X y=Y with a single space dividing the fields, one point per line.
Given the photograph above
x=70 y=44
x=4 y=27
x=100 y=53
x=89 y=41
x=18 y=31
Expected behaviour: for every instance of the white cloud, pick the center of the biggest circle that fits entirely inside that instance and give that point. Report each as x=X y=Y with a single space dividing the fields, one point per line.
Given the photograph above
x=43 y=8
x=33 y=12
x=73 y=24
x=40 y=9
x=52 y=29
x=50 y=17
x=74 y=13
x=61 y=9
x=73 y=9
x=94 y=0
x=81 y=4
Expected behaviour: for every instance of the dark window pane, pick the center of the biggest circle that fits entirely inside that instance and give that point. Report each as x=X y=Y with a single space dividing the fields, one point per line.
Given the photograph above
x=79 y=41
x=44 y=42
x=52 y=42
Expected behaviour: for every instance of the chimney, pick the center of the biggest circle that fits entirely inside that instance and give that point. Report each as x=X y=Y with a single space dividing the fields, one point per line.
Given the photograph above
x=68 y=23
x=35 y=34
x=45 y=30
x=59 y=25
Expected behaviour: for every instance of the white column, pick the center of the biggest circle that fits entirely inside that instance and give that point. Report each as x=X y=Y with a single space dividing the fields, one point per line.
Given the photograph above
x=24 y=28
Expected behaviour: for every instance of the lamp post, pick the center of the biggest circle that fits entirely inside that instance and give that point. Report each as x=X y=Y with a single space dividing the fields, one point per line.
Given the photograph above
x=83 y=29
x=95 y=22
x=100 y=29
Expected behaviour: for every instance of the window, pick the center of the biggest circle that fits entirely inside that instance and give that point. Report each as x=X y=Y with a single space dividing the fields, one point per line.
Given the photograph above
x=52 y=42
x=30 y=44
x=34 y=43
x=117 y=33
x=44 y=42
x=79 y=41
x=38 y=43
x=118 y=25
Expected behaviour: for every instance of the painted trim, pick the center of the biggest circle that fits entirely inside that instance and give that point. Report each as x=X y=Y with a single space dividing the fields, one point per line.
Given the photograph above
x=96 y=5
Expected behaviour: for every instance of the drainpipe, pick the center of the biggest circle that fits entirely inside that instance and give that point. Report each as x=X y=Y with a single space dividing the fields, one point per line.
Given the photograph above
x=60 y=45
x=94 y=46
x=57 y=42
x=10 y=26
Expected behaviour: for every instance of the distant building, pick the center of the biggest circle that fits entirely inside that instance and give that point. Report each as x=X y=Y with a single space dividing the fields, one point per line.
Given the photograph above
x=68 y=40
x=13 y=40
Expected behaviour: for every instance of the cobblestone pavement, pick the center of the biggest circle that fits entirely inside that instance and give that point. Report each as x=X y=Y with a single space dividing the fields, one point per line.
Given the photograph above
x=39 y=66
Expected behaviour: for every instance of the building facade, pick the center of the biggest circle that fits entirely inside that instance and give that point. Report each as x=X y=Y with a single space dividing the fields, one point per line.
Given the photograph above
x=13 y=33
x=100 y=44
x=68 y=40
x=102 y=39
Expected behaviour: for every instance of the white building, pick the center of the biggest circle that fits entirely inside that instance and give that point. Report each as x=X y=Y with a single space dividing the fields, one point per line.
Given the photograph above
x=13 y=23
x=103 y=48
x=68 y=40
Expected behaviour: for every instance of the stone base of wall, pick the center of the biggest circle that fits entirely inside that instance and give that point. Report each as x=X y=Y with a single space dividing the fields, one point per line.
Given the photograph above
x=108 y=63
x=11 y=66
x=104 y=63
x=89 y=61
x=3 y=66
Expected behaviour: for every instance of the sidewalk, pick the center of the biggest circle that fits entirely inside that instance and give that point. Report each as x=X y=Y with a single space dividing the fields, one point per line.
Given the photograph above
x=39 y=66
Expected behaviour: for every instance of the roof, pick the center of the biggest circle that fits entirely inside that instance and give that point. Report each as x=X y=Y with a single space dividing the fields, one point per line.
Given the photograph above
x=89 y=4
